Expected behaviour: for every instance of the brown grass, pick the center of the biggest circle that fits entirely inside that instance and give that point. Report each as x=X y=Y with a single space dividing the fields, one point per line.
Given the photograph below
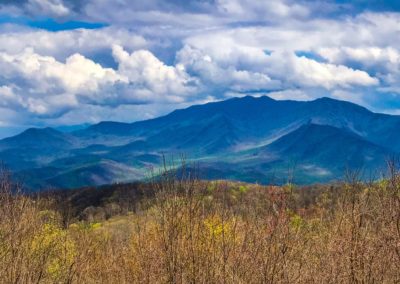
x=209 y=232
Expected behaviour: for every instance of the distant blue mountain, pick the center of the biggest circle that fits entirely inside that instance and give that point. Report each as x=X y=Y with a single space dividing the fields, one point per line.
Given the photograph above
x=250 y=139
x=330 y=148
x=35 y=138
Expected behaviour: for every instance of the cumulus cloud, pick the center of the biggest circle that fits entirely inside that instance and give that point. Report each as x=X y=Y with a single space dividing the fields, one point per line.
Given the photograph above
x=62 y=44
x=147 y=75
x=222 y=72
x=384 y=62
x=43 y=86
x=373 y=58
x=267 y=71
x=303 y=71
x=157 y=53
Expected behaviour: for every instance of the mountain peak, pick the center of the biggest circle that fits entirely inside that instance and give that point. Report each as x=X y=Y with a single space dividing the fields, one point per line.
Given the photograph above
x=327 y=99
x=233 y=136
x=253 y=98
x=38 y=138
x=330 y=102
x=329 y=147
x=34 y=131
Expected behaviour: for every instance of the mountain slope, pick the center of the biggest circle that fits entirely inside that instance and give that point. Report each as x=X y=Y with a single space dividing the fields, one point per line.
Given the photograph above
x=104 y=172
x=35 y=147
x=262 y=119
x=245 y=138
x=36 y=138
x=329 y=147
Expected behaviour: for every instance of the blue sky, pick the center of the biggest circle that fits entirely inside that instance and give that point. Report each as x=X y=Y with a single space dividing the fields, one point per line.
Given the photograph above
x=70 y=62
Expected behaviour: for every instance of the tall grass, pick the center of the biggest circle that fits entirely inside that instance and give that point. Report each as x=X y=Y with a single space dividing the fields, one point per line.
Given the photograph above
x=193 y=231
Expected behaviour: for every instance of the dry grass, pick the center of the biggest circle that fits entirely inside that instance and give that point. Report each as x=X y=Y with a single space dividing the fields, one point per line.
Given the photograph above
x=210 y=232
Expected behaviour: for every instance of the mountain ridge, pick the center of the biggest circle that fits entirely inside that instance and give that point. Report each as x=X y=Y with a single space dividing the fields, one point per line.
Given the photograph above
x=235 y=138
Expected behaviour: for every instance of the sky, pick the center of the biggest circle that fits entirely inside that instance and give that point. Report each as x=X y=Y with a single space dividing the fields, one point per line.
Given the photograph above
x=72 y=62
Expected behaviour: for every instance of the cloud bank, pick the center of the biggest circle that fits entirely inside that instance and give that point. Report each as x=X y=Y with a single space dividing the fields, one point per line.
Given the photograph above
x=146 y=59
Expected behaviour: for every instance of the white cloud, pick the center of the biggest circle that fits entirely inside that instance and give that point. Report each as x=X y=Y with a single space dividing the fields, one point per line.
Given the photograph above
x=215 y=71
x=344 y=95
x=255 y=10
x=54 y=8
x=303 y=71
x=45 y=74
x=313 y=33
x=384 y=62
x=369 y=56
x=42 y=86
x=185 y=51
x=246 y=68
x=62 y=44
x=227 y=50
x=291 y=94
x=45 y=87
x=192 y=15
x=8 y=98
x=149 y=76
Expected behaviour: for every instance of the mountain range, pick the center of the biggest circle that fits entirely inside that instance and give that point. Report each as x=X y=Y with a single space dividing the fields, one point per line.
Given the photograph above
x=248 y=139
